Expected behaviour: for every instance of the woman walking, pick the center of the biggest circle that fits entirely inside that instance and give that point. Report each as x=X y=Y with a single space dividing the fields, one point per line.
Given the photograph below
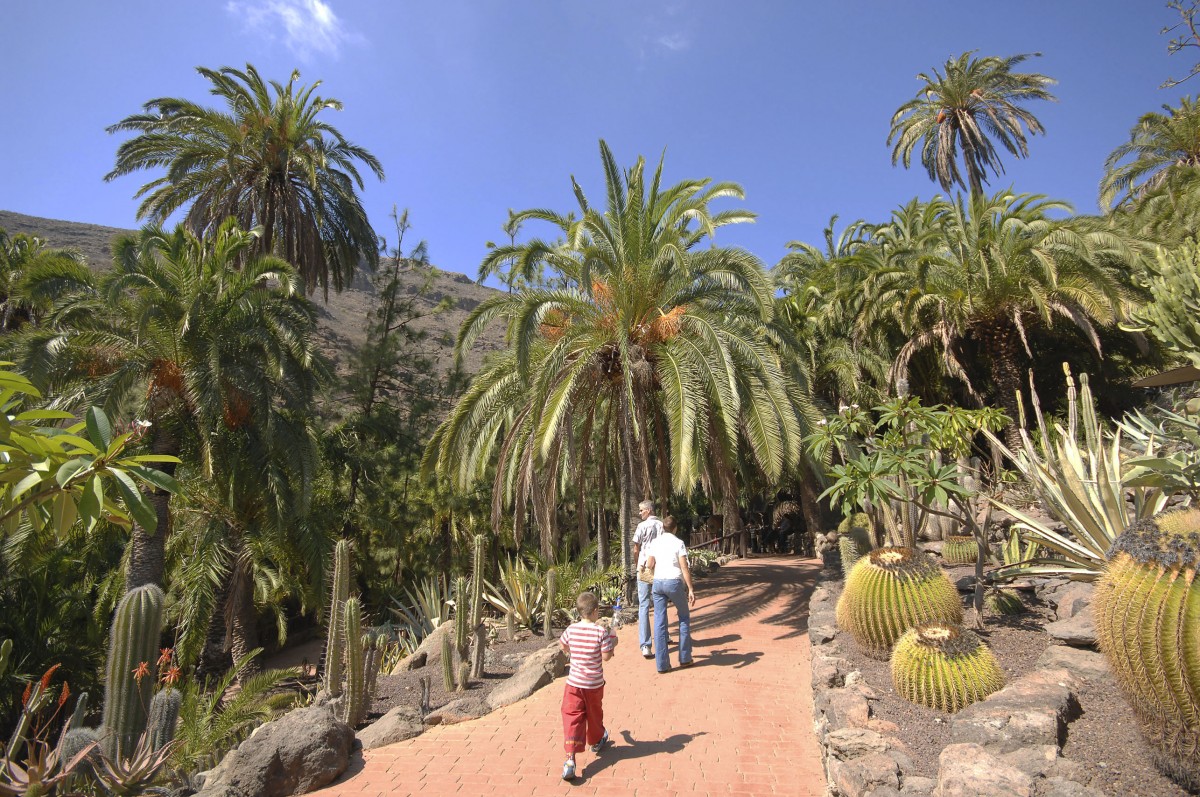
x=667 y=556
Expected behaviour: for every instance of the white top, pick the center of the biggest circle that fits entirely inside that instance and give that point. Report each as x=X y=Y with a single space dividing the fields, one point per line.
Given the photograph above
x=644 y=534
x=667 y=550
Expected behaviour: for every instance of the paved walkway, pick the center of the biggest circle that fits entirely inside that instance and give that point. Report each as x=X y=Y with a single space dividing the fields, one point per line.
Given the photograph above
x=739 y=722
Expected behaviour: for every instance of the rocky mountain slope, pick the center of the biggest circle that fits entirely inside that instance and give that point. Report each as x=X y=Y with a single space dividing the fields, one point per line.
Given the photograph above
x=342 y=321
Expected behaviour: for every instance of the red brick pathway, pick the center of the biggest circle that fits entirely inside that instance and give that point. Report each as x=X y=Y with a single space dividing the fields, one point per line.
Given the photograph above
x=739 y=722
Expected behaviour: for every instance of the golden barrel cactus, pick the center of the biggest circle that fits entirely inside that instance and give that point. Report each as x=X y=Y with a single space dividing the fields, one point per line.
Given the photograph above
x=960 y=550
x=944 y=666
x=891 y=590
x=1147 y=608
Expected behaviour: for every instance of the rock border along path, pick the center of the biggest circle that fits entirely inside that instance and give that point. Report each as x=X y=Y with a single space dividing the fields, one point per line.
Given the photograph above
x=739 y=722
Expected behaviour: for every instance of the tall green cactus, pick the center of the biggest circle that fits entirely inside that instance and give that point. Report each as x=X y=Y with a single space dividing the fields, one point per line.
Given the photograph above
x=335 y=648
x=462 y=618
x=447 y=663
x=163 y=717
x=130 y=674
x=354 y=705
x=945 y=667
x=1173 y=314
x=1147 y=607
x=891 y=590
x=551 y=599
x=479 y=642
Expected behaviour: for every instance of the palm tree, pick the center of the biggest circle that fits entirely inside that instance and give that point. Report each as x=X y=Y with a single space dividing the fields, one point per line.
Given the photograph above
x=654 y=350
x=960 y=111
x=268 y=161
x=1163 y=152
x=29 y=272
x=176 y=335
x=991 y=269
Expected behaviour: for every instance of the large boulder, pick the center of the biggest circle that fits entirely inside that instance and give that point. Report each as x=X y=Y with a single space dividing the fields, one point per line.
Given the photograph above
x=456 y=711
x=300 y=752
x=429 y=652
x=1087 y=664
x=1072 y=599
x=866 y=774
x=1031 y=711
x=402 y=722
x=967 y=770
x=1078 y=630
x=537 y=670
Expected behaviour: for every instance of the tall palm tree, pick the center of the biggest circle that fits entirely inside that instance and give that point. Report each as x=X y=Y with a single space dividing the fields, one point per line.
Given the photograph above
x=267 y=160
x=654 y=349
x=992 y=268
x=958 y=112
x=1163 y=152
x=178 y=336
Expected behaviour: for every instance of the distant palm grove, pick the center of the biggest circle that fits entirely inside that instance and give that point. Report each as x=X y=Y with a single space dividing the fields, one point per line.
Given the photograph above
x=172 y=422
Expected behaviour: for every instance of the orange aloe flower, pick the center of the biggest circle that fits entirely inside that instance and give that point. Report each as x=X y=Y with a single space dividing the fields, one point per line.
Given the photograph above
x=164 y=656
x=141 y=671
x=171 y=676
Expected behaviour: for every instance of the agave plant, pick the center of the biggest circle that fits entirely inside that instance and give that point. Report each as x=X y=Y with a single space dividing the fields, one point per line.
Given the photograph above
x=1078 y=476
x=520 y=590
x=424 y=610
x=1168 y=448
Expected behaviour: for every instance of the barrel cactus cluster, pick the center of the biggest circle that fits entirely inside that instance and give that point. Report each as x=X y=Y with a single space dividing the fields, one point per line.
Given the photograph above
x=891 y=590
x=1147 y=608
x=944 y=667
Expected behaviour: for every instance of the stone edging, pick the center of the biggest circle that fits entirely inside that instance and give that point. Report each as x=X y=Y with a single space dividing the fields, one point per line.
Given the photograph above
x=1009 y=744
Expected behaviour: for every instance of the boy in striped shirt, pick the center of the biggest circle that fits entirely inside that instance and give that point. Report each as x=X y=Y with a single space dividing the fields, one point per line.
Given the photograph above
x=589 y=645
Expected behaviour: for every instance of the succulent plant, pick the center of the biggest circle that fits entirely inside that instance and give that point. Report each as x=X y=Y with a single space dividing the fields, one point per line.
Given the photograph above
x=479 y=643
x=1003 y=601
x=960 y=550
x=163 y=717
x=355 y=703
x=1147 y=607
x=551 y=596
x=850 y=552
x=129 y=679
x=944 y=666
x=335 y=651
x=447 y=663
x=891 y=590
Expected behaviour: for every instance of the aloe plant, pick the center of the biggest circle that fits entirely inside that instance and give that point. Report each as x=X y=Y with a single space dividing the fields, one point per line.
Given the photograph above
x=519 y=590
x=1077 y=475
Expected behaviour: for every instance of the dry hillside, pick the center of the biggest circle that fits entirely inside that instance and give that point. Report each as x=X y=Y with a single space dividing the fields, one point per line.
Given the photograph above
x=342 y=320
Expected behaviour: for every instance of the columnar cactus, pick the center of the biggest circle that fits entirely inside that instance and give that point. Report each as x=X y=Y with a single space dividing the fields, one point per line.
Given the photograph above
x=462 y=619
x=464 y=675
x=510 y=622
x=479 y=642
x=891 y=590
x=335 y=650
x=354 y=706
x=944 y=667
x=551 y=597
x=130 y=675
x=1147 y=607
x=163 y=717
x=447 y=663
x=960 y=550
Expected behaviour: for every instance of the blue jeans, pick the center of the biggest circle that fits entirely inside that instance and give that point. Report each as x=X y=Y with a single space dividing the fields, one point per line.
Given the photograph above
x=643 y=614
x=675 y=591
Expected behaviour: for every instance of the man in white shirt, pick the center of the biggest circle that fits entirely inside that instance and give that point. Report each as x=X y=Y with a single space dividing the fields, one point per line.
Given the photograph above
x=667 y=555
x=643 y=535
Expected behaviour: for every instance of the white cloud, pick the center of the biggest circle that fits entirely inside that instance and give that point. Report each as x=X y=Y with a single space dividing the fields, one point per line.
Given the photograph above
x=675 y=42
x=305 y=26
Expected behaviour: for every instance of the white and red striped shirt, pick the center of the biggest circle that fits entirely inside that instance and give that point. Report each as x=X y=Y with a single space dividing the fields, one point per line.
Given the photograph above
x=586 y=643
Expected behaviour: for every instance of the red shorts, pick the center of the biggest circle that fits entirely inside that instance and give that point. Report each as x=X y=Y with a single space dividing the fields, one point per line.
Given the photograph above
x=583 y=717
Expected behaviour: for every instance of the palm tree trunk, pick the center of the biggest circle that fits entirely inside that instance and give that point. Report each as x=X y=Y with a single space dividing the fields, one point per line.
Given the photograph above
x=630 y=470
x=214 y=657
x=243 y=619
x=1006 y=374
x=148 y=551
x=730 y=514
x=810 y=506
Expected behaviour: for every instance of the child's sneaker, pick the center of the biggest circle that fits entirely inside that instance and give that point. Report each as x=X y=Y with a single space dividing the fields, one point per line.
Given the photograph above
x=569 y=770
x=600 y=745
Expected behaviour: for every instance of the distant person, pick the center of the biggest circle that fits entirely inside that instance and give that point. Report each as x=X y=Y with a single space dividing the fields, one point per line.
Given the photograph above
x=667 y=556
x=588 y=644
x=643 y=535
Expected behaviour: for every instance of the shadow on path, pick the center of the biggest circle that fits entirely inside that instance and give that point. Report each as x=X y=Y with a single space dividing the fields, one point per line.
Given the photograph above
x=633 y=749
x=752 y=584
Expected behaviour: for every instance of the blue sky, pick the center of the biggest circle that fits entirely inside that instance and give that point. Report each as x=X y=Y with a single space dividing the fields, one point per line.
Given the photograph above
x=477 y=107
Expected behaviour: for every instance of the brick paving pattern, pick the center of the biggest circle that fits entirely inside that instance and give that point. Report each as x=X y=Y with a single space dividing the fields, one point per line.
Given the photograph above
x=737 y=723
